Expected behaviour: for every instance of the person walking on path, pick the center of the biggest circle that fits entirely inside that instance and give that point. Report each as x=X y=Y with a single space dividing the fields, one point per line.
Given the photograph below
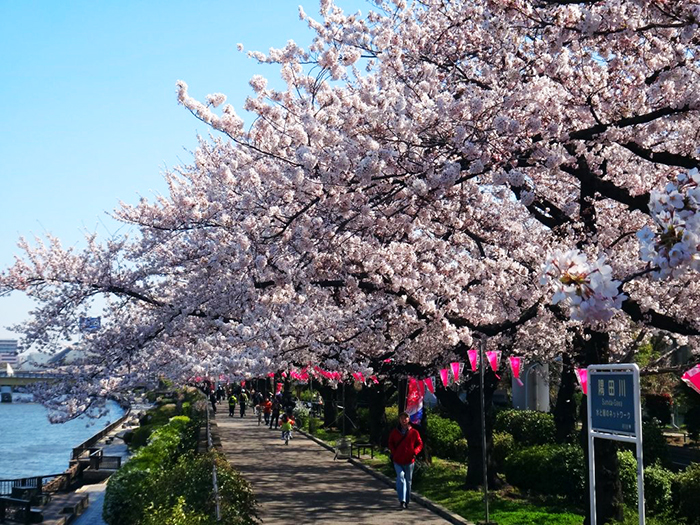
x=267 y=410
x=243 y=401
x=275 y=416
x=232 y=405
x=405 y=444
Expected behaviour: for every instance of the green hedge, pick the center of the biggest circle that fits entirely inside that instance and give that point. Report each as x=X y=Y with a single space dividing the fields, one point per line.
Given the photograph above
x=188 y=486
x=686 y=494
x=549 y=469
x=164 y=483
x=503 y=446
x=528 y=427
x=130 y=489
x=445 y=438
x=658 y=483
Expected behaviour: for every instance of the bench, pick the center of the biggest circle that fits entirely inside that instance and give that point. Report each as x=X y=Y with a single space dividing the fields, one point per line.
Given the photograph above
x=23 y=511
x=361 y=448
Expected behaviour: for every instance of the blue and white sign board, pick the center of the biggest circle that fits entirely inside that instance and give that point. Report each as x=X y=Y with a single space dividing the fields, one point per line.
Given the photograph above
x=614 y=412
x=611 y=396
x=89 y=324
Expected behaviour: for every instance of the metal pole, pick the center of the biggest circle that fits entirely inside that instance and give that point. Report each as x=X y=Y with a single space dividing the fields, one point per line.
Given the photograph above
x=591 y=465
x=343 y=408
x=483 y=426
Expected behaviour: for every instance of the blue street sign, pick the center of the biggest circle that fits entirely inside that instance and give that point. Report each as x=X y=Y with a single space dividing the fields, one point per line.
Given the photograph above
x=612 y=400
x=89 y=324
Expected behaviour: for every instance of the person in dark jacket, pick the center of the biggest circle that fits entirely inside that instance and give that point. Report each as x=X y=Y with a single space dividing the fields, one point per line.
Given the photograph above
x=405 y=444
x=276 y=408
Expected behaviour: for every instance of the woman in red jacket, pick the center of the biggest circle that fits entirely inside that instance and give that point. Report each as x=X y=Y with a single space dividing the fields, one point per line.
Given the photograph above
x=405 y=444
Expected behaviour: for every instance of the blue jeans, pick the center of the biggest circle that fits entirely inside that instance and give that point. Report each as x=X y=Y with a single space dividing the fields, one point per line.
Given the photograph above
x=404 y=475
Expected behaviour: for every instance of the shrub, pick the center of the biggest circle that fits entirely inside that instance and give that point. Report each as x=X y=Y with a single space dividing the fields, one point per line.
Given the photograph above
x=658 y=483
x=363 y=420
x=161 y=484
x=528 y=427
x=301 y=415
x=131 y=488
x=175 y=515
x=162 y=414
x=685 y=494
x=549 y=469
x=445 y=438
x=127 y=495
x=503 y=445
x=139 y=437
x=313 y=424
x=654 y=445
x=628 y=476
x=191 y=478
x=392 y=421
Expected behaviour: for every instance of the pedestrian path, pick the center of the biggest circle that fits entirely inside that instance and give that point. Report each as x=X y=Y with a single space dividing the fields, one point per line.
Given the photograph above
x=302 y=483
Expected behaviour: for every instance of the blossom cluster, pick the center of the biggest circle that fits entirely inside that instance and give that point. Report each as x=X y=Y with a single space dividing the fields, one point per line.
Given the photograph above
x=673 y=244
x=586 y=287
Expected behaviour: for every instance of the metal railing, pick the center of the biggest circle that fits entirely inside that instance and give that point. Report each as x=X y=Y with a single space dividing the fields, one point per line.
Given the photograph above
x=215 y=482
x=90 y=442
x=33 y=482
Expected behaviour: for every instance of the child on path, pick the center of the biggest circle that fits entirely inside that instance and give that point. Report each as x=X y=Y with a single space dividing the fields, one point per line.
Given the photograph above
x=286 y=426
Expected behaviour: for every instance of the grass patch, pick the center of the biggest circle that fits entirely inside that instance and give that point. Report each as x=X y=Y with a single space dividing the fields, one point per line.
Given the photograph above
x=443 y=483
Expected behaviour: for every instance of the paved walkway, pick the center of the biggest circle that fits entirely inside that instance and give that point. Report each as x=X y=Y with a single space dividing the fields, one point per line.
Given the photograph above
x=301 y=483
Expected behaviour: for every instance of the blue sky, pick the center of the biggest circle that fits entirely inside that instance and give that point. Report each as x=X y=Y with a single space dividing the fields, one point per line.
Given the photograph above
x=88 y=108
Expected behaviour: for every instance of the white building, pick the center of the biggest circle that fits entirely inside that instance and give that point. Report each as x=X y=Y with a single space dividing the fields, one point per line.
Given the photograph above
x=9 y=352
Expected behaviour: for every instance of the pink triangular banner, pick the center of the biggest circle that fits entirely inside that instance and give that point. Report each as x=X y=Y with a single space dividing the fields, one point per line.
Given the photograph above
x=429 y=383
x=473 y=358
x=692 y=378
x=455 y=371
x=494 y=358
x=582 y=376
x=515 y=364
x=444 y=375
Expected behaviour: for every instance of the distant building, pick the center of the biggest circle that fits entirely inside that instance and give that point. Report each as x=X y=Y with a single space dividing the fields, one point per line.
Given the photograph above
x=9 y=352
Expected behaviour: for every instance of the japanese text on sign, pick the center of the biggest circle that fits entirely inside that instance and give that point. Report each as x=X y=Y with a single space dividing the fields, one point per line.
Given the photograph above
x=612 y=402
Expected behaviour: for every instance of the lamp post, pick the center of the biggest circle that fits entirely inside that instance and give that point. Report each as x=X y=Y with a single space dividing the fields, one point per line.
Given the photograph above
x=482 y=360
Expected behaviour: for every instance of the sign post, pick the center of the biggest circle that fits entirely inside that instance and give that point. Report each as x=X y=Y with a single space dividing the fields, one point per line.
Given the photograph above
x=614 y=412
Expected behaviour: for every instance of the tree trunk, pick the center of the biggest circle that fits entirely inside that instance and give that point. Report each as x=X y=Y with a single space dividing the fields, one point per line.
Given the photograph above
x=565 y=409
x=330 y=408
x=403 y=391
x=350 y=408
x=609 y=504
x=467 y=414
x=377 y=416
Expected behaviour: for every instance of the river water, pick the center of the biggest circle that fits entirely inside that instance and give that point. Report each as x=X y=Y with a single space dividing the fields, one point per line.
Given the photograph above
x=31 y=446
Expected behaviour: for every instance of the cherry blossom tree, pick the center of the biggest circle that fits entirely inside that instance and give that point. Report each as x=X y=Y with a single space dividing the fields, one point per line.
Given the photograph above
x=433 y=171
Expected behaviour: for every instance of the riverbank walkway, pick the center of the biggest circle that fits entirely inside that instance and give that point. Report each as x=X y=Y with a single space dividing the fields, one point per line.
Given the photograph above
x=302 y=483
